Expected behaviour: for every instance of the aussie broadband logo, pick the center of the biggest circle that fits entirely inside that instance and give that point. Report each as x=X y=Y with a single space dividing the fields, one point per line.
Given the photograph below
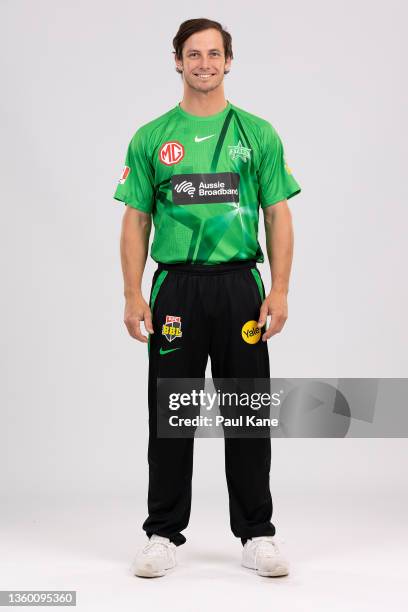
x=205 y=188
x=185 y=187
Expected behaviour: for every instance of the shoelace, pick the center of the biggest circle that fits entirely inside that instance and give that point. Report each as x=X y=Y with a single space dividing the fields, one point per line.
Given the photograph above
x=156 y=548
x=267 y=546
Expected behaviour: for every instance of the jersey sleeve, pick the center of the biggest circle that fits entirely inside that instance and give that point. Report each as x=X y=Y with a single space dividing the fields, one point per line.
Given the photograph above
x=276 y=181
x=136 y=184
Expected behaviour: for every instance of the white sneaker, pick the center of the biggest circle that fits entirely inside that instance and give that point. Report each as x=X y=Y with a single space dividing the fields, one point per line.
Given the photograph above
x=158 y=556
x=263 y=555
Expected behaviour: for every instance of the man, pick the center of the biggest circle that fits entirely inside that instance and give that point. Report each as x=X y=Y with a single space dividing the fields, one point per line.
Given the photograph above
x=201 y=171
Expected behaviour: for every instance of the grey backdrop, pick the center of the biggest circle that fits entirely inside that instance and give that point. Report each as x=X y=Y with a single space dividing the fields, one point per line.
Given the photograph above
x=78 y=78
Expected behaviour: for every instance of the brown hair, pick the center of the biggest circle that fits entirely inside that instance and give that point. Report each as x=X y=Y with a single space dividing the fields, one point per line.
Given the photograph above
x=191 y=26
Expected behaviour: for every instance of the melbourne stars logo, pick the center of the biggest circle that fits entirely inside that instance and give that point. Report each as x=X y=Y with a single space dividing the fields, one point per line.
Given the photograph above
x=239 y=152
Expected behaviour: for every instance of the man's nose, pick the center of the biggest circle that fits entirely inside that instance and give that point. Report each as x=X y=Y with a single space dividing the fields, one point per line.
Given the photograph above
x=205 y=64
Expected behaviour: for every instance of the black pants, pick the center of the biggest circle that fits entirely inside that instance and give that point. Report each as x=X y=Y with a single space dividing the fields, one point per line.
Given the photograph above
x=207 y=306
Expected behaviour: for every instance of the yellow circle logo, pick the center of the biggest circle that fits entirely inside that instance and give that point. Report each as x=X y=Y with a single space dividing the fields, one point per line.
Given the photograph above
x=250 y=332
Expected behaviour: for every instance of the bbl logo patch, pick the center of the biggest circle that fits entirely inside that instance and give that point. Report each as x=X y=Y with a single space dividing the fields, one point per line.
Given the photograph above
x=250 y=332
x=171 y=329
x=125 y=174
x=171 y=153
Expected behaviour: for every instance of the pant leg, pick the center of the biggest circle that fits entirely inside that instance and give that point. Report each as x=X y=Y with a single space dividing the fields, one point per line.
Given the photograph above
x=247 y=460
x=171 y=459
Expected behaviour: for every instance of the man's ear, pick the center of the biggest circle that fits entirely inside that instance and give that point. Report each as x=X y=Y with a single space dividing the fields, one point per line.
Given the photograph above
x=228 y=64
x=179 y=65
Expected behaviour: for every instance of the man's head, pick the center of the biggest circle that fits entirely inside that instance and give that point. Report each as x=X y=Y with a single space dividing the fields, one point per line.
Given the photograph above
x=203 y=53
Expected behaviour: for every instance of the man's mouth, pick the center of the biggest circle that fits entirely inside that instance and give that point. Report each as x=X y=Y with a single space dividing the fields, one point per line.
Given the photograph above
x=202 y=75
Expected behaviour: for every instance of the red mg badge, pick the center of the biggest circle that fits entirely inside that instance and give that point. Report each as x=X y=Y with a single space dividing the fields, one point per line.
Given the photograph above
x=171 y=153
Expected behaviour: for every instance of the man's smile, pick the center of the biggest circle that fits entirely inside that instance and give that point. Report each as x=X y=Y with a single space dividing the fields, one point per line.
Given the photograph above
x=202 y=75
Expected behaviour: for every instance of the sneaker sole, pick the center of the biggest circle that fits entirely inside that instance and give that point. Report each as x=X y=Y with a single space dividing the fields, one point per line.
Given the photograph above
x=277 y=572
x=149 y=574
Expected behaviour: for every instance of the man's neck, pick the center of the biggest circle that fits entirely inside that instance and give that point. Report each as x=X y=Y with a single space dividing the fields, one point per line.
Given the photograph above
x=203 y=105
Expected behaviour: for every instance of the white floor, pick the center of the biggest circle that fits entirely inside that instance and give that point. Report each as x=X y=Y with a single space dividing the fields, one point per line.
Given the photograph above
x=347 y=552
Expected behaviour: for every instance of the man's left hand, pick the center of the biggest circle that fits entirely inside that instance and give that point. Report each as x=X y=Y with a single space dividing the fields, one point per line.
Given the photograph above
x=275 y=305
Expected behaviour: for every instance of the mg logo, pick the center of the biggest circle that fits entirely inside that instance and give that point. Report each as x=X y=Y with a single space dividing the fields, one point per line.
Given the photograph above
x=171 y=153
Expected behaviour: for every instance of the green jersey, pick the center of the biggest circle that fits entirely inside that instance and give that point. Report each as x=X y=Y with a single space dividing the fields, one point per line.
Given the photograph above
x=203 y=180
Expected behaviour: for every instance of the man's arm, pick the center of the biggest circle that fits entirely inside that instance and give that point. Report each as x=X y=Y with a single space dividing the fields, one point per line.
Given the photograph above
x=134 y=245
x=279 y=245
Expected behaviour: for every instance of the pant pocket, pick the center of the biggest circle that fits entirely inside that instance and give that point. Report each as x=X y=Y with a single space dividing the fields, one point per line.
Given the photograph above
x=256 y=276
x=158 y=281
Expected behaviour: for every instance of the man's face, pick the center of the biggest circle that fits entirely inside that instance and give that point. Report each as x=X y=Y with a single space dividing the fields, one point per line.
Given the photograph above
x=204 y=61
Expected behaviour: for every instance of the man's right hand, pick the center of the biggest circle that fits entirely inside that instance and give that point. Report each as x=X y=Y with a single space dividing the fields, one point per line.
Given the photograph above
x=136 y=310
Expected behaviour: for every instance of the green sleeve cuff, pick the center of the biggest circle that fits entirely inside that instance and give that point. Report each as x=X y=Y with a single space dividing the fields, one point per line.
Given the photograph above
x=133 y=204
x=284 y=196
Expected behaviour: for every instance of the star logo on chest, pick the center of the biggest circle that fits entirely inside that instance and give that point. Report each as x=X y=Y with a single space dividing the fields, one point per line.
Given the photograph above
x=239 y=152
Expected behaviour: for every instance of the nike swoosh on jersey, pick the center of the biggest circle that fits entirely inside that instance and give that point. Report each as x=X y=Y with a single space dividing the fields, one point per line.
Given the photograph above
x=197 y=139
x=164 y=352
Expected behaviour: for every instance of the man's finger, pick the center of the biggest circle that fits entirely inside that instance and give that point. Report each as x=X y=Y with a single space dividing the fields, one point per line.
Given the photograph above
x=277 y=323
x=148 y=321
x=133 y=327
x=263 y=314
